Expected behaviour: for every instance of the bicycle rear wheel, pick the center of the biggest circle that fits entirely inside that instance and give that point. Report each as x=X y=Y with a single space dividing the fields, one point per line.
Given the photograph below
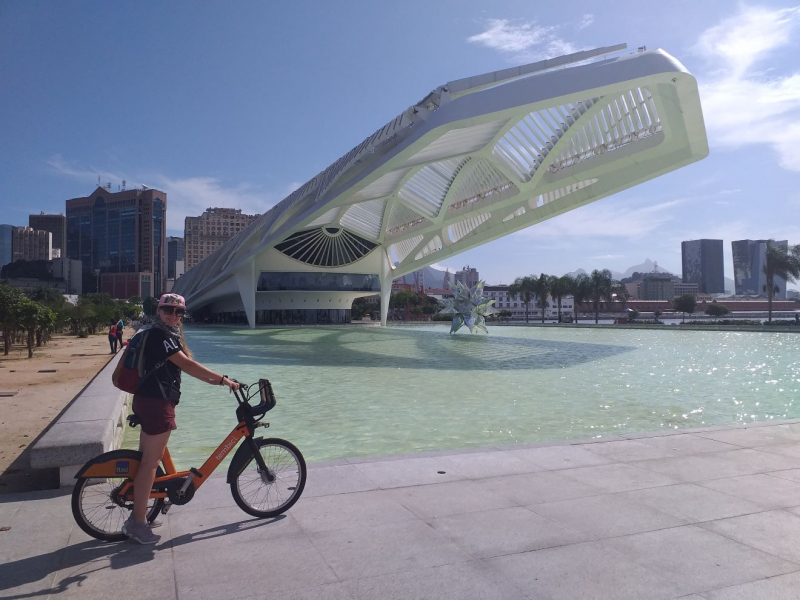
x=100 y=512
x=258 y=496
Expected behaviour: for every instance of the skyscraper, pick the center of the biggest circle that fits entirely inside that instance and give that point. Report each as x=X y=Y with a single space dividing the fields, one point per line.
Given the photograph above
x=204 y=234
x=703 y=264
x=175 y=252
x=468 y=276
x=31 y=244
x=749 y=258
x=6 y=244
x=121 y=240
x=55 y=224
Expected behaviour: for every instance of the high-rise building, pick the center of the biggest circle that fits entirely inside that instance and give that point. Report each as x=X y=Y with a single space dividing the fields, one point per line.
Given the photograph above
x=55 y=224
x=749 y=259
x=204 y=234
x=468 y=276
x=31 y=244
x=175 y=252
x=121 y=240
x=6 y=244
x=703 y=264
x=657 y=286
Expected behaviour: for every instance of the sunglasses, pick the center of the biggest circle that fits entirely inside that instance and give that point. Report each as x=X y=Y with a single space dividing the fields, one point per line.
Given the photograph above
x=168 y=310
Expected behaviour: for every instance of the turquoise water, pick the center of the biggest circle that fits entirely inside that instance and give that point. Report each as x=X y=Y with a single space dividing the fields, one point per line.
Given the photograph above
x=366 y=391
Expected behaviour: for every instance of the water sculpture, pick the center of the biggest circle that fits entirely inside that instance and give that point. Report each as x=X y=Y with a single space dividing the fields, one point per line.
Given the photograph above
x=469 y=307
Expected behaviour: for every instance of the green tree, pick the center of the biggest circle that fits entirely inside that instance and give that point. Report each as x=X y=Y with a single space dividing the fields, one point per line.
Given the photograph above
x=33 y=317
x=783 y=263
x=560 y=287
x=150 y=306
x=523 y=288
x=504 y=315
x=10 y=299
x=579 y=291
x=601 y=289
x=716 y=310
x=541 y=291
x=685 y=304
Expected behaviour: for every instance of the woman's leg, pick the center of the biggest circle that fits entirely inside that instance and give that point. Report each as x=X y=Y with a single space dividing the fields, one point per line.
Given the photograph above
x=152 y=448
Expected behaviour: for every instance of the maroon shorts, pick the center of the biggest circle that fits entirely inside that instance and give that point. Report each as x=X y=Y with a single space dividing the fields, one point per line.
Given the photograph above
x=157 y=416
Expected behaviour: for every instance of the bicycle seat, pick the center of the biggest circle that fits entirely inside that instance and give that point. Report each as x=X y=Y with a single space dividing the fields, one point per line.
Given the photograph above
x=133 y=420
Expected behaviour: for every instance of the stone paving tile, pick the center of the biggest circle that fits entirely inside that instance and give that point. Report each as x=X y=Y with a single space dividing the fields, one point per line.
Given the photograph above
x=610 y=515
x=461 y=580
x=773 y=492
x=782 y=587
x=685 y=443
x=560 y=457
x=328 y=591
x=536 y=488
x=754 y=436
x=214 y=493
x=341 y=479
x=29 y=576
x=150 y=575
x=792 y=450
x=692 y=502
x=696 y=559
x=413 y=471
x=287 y=563
x=373 y=551
x=489 y=464
x=344 y=511
x=581 y=571
x=790 y=474
x=776 y=532
x=627 y=450
x=504 y=531
x=620 y=477
x=698 y=467
x=452 y=498
x=758 y=461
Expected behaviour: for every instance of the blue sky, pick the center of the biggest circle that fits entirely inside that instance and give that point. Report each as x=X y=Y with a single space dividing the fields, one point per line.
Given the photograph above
x=237 y=103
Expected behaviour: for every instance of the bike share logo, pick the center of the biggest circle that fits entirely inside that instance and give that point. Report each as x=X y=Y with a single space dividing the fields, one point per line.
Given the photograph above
x=122 y=467
x=230 y=444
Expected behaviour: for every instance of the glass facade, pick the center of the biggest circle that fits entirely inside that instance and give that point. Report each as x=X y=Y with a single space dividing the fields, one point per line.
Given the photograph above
x=331 y=316
x=175 y=252
x=158 y=246
x=127 y=240
x=317 y=282
x=5 y=244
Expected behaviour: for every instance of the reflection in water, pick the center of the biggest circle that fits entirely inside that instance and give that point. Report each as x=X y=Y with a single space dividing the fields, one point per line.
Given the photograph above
x=352 y=391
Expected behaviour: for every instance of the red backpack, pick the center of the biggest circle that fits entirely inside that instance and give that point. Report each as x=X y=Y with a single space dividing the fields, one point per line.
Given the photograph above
x=129 y=373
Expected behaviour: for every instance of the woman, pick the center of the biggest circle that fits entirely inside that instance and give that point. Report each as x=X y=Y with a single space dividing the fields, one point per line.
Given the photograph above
x=112 y=337
x=120 y=327
x=154 y=403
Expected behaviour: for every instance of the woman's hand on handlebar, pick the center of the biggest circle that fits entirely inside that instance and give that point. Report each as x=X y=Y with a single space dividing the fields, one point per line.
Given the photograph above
x=232 y=384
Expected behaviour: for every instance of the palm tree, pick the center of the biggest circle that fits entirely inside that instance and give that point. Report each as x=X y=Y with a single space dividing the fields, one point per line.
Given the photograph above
x=783 y=263
x=579 y=291
x=542 y=291
x=560 y=287
x=524 y=289
x=601 y=289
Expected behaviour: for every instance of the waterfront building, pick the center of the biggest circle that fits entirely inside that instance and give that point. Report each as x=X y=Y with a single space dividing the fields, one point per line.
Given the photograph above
x=175 y=253
x=749 y=259
x=703 y=264
x=474 y=160
x=55 y=224
x=502 y=301
x=31 y=244
x=657 y=286
x=122 y=235
x=205 y=234
x=681 y=289
x=6 y=244
x=468 y=276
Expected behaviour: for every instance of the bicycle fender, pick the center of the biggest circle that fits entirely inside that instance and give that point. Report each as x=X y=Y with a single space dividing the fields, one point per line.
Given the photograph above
x=240 y=458
x=117 y=463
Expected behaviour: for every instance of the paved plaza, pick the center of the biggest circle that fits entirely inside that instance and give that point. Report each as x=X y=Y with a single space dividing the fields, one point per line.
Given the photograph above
x=709 y=514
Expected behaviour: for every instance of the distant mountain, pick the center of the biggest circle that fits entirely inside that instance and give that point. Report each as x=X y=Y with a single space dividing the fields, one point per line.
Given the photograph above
x=433 y=278
x=648 y=266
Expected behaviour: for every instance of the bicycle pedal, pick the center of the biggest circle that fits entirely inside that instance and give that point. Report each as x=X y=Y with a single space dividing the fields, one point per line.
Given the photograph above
x=165 y=508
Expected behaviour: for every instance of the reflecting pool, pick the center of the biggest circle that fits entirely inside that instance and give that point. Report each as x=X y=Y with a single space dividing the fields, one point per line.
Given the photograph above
x=369 y=391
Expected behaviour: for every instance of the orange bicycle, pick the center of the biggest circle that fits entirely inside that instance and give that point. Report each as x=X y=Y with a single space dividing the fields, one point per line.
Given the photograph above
x=266 y=476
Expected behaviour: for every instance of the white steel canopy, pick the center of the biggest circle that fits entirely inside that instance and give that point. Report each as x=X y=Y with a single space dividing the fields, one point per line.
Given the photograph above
x=474 y=160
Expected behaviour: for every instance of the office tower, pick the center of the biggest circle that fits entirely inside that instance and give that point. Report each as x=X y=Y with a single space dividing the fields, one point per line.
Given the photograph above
x=657 y=286
x=55 y=224
x=175 y=252
x=749 y=259
x=121 y=240
x=31 y=244
x=468 y=276
x=6 y=244
x=703 y=264
x=204 y=234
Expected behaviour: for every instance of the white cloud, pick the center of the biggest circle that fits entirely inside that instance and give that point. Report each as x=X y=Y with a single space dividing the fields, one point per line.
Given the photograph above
x=523 y=41
x=623 y=221
x=744 y=106
x=587 y=20
x=607 y=256
x=185 y=196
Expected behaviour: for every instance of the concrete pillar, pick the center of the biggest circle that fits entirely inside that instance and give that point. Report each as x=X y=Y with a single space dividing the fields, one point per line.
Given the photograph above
x=386 y=292
x=246 y=282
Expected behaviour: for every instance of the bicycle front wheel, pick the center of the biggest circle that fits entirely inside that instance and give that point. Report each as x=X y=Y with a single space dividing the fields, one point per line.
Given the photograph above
x=267 y=495
x=100 y=512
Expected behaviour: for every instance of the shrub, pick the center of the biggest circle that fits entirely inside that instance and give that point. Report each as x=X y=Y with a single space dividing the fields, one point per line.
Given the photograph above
x=83 y=333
